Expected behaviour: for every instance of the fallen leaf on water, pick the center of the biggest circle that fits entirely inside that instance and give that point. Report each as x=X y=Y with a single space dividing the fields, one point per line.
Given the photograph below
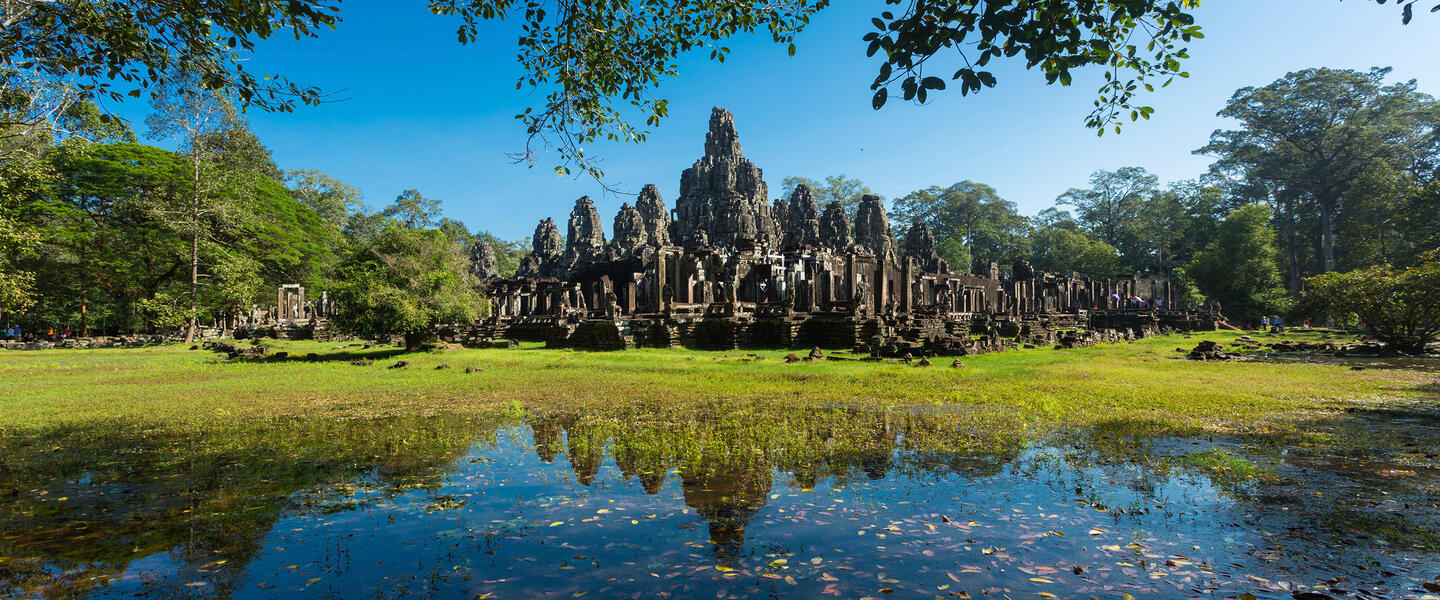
x=1040 y=580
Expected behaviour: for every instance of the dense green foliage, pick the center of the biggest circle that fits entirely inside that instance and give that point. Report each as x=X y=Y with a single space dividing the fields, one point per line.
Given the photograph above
x=139 y=44
x=406 y=281
x=1063 y=246
x=836 y=188
x=1239 y=268
x=596 y=63
x=1398 y=306
x=1346 y=160
x=974 y=223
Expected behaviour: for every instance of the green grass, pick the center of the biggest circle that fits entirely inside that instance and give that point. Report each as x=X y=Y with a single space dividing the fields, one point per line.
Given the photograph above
x=1037 y=391
x=219 y=447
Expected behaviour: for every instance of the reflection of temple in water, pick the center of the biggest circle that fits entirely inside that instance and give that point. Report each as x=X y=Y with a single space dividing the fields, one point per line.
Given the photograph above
x=647 y=468
x=727 y=473
x=546 y=431
x=727 y=496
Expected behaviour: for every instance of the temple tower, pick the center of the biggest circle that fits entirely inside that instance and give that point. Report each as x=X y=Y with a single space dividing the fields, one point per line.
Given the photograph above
x=652 y=212
x=723 y=199
x=872 y=230
x=482 y=261
x=834 y=229
x=803 y=226
x=585 y=239
x=547 y=253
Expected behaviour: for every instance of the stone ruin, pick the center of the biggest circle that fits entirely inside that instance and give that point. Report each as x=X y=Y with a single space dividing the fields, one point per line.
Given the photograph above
x=729 y=269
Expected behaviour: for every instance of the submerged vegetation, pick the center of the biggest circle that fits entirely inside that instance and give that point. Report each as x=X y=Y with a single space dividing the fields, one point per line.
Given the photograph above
x=166 y=471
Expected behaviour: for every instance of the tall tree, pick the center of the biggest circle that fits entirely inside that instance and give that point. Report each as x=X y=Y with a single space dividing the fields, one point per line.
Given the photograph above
x=195 y=118
x=20 y=179
x=1310 y=136
x=104 y=249
x=1110 y=207
x=1238 y=268
x=969 y=218
x=412 y=209
x=332 y=199
x=836 y=188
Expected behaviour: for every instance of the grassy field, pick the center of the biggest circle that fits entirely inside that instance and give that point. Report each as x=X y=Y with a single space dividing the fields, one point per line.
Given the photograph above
x=1036 y=391
x=220 y=449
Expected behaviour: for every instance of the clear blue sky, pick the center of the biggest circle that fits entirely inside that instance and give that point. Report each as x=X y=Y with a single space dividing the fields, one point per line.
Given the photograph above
x=421 y=111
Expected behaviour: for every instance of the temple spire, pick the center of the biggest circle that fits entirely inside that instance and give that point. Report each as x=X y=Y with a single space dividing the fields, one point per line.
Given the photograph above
x=722 y=139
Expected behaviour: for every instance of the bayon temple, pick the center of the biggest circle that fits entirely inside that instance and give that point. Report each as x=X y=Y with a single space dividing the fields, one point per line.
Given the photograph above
x=727 y=269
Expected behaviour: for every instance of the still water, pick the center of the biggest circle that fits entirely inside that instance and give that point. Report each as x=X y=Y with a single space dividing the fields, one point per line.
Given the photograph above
x=845 y=504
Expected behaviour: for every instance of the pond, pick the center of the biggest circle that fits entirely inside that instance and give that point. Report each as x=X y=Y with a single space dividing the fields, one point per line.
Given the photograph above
x=745 y=502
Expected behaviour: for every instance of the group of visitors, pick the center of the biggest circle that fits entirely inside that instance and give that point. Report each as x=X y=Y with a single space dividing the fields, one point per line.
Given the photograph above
x=16 y=333
x=1272 y=322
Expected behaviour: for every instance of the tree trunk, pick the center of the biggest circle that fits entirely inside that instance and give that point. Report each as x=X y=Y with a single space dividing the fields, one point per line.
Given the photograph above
x=194 y=254
x=1327 y=235
x=1294 y=272
x=416 y=340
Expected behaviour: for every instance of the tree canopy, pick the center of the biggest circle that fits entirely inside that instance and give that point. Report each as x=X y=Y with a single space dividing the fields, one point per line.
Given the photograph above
x=406 y=281
x=1336 y=153
x=1398 y=306
x=1238 y=269
x=597 y=64
x=970 y=222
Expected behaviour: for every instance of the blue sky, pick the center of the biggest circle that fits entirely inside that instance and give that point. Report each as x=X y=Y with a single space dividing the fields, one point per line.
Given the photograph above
x=417 y=110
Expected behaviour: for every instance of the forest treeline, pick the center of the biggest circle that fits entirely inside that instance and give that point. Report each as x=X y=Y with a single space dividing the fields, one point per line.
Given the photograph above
x=1325 y=170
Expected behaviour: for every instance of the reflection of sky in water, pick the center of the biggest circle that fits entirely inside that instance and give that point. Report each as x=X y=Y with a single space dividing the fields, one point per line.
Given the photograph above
x=505 y=524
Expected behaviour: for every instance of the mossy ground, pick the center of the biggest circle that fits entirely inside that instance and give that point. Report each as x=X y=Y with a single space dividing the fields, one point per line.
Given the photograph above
x=1145 y=383
x=222 y=447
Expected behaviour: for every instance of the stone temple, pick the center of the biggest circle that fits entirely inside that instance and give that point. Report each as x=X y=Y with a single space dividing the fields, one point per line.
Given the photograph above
x=727 y=269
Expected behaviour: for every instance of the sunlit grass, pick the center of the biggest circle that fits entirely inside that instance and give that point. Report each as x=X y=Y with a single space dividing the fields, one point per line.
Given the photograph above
x=1036 y=391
